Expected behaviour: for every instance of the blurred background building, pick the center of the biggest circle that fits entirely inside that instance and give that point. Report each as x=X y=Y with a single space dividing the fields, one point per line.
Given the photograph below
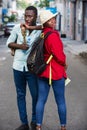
x=72 y=18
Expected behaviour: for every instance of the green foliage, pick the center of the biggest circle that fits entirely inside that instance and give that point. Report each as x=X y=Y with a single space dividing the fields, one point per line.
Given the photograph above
x=12 y=18
x=44 y=3
x=21 y=4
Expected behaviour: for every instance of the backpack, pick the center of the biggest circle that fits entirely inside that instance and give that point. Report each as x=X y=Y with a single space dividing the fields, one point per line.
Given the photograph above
x=35 y=60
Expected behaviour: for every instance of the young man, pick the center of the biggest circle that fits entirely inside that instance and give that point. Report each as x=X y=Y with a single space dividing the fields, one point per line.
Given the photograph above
x=21 y=75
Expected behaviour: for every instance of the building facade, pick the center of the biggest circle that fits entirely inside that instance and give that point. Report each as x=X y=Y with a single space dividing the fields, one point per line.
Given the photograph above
x=74 y=18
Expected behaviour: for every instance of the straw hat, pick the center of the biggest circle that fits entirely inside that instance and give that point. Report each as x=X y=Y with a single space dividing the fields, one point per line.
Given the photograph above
x=46 y=15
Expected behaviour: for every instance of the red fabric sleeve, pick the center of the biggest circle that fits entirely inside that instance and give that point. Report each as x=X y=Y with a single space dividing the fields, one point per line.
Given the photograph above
x=56 y=47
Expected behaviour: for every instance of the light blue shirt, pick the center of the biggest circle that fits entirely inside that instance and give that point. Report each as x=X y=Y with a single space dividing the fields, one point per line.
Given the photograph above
x=20 y=56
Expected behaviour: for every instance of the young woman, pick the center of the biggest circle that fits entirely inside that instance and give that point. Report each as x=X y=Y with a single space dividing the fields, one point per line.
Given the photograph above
x=56 y=68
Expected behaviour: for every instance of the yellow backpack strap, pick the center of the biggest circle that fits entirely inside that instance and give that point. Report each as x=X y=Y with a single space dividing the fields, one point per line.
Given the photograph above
x=50 y=75
x=49 y=59
x=50 y=70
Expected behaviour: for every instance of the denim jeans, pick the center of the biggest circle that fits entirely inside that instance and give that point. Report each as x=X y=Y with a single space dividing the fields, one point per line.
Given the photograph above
x=59 y=94
x=21 y=79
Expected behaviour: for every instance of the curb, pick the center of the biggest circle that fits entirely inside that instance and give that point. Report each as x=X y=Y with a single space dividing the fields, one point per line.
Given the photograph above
x=83 y=54
x=75 y=47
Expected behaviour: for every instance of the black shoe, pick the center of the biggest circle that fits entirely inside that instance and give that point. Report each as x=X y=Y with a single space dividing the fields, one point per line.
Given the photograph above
x=33 y=126
x=23 y=127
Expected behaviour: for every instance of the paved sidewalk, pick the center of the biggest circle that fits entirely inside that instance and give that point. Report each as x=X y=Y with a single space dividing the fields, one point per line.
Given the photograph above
x=74 y=46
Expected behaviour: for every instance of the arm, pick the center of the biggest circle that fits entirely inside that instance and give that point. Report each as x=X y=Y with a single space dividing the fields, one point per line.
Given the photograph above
x=56 y=48
x=14 y=46
x=38 y=27
x=12 y=42
x=18 y=46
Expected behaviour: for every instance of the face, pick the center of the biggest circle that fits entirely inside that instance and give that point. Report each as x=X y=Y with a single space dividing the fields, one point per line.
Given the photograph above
x=30 y=17
x=51 y=23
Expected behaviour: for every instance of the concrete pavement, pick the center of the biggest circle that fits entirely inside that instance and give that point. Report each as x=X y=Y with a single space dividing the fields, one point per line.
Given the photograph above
x=75 y=47
x=75 y=94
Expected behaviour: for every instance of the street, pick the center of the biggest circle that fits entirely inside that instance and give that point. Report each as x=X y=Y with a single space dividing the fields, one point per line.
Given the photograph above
x=76 y=95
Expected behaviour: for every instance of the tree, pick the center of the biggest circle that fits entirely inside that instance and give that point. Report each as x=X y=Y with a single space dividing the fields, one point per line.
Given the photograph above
x=12 y=18
x=44 y=3
x=21 y=4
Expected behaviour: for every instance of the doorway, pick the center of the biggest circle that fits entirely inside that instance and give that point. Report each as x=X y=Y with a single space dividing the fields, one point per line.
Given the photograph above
x=85 y=21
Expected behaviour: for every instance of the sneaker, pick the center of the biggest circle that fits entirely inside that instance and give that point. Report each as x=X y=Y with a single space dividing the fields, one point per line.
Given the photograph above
x=33 y=126
x=23 y=127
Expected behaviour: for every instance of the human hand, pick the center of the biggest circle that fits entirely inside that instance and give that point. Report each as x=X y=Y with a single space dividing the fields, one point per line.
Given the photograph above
x=24 y=46
x=12 y=51
x=66 y=66
x=24 y=25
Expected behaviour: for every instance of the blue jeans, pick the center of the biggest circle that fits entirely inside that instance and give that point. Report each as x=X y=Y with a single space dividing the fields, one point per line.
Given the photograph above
x=21 y=79
x=43 y=91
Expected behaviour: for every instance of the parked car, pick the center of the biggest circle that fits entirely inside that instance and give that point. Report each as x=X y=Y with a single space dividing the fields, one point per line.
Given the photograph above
x=8 y=28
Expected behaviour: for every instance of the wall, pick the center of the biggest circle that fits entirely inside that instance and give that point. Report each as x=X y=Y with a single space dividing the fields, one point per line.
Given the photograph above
x=74 y=20
x=79 y=20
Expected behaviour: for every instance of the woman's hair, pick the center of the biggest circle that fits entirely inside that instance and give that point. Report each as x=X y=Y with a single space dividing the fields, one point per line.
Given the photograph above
x=32 y=8
x=45 y=24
